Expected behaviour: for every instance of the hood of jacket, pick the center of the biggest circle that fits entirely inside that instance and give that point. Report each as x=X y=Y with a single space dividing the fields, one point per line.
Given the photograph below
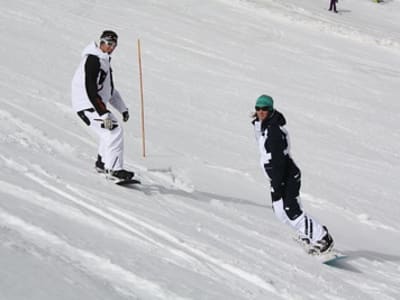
x=276 y=118
x=93 y=49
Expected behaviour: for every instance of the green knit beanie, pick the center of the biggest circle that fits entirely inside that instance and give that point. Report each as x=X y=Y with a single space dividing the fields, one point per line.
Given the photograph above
x=265 y=101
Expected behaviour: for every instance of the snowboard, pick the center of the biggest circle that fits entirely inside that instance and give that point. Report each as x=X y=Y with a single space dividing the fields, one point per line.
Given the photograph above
x=331 y=258
x=127 y=182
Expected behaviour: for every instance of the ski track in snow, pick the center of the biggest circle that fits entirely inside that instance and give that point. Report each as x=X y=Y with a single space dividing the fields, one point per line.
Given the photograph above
x=128 y=223
x=230 y=244
x=313 y=19
x=124 y=281
x=351 y=215
x=189 y=254
x=29 y=136
x=181 y=249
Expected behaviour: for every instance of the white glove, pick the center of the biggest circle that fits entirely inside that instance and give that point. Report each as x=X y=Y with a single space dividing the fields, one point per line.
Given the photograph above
x=108 y=123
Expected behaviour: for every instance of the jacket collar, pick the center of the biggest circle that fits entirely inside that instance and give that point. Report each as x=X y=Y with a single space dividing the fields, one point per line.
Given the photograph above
x=93 y=49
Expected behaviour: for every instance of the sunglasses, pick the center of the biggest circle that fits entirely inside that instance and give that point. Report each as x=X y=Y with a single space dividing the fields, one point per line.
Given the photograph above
x=264 y=108
x=109 y=43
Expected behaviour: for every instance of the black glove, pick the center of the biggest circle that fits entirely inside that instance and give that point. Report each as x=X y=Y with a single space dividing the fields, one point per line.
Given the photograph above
x=275 y=196
x=277 y=193
x=125 y=116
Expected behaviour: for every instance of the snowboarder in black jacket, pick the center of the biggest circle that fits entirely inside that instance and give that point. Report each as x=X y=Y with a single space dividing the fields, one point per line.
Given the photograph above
x=285 y=176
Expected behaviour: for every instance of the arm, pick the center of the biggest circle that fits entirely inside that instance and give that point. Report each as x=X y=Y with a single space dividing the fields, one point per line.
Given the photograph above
x=92 y=70
x=117 y=102
x=257 y=129
x=276 y=144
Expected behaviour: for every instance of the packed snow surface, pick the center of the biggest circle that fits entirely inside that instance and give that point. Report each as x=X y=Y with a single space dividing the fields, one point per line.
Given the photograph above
x=201 y=225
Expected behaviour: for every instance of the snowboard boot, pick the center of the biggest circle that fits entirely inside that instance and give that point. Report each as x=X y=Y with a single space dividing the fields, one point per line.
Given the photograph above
x=304 y=242
x=119 y=175
x=325 y=244
x=99 y=165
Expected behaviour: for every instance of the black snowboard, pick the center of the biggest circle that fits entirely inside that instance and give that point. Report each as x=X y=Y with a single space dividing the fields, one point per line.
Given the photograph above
x=128 y=182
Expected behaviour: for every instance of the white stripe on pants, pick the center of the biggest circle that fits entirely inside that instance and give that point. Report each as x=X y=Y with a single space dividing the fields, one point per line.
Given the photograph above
x=111 y=142
x=304 y=225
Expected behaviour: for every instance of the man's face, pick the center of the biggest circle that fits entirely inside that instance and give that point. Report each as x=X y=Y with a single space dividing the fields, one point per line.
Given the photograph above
x=107 y=46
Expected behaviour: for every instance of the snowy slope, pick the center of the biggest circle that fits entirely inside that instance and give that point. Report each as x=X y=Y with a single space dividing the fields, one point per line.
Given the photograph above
x=200 y=226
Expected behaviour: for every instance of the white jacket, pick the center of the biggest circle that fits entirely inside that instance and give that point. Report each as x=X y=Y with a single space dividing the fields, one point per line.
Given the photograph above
x=105 y=89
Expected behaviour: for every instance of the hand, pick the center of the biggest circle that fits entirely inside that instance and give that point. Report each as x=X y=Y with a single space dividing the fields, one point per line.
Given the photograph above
x=125 y=116
x=108 y=123
x=275 y=196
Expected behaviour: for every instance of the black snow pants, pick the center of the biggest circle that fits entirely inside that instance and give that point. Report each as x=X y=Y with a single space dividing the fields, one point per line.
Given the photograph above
x=290 y=191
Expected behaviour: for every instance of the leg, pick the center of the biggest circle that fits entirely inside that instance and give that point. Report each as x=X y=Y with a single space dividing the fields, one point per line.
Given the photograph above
x=289 y=211
x=113 y=149
x=111 y=144
x=101 y=149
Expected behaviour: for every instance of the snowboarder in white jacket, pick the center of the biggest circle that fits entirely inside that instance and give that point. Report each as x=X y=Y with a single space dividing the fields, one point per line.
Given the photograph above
x=92 y=92
x=285 y=176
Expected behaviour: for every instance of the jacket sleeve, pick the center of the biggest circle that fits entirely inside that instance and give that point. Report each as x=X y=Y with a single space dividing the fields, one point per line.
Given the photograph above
x=92 y=71
x=117 y=102
x=278 y=163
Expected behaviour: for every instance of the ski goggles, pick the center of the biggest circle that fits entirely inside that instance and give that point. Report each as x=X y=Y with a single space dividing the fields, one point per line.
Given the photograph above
x=264 y=108
x=108 y=42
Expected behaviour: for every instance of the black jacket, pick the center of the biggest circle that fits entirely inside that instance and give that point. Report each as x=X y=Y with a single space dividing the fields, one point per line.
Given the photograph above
x=281 y=167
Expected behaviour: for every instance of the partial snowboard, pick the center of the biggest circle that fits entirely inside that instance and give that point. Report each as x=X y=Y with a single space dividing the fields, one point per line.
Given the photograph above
x=127 y=182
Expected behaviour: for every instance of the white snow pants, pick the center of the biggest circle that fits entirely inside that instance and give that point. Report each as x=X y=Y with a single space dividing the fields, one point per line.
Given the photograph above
x=304 y=225
x=111 y=142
